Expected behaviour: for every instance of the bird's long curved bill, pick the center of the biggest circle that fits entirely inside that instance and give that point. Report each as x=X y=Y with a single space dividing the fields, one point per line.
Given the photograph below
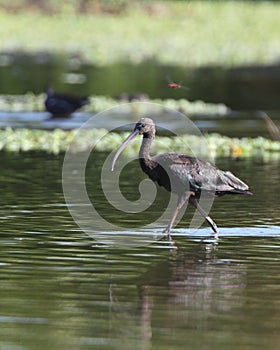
x=122 y=147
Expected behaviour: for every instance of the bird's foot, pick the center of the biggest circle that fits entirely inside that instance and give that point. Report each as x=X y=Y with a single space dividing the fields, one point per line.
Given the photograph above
x=167 y=232
x=216 y=230
x=169 y=239
x=216 y=233
x=213 y=225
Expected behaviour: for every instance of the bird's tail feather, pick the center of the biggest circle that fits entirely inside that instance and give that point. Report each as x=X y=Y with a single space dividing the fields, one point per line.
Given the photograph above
x=238 y=185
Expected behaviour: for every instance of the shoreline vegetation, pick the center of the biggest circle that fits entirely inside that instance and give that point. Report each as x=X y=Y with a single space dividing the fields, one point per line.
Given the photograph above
x=58 y=141
x=242 y=32
x=35 y=103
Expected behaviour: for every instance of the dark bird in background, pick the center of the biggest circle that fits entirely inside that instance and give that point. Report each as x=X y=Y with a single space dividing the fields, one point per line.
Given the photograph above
x=61 y=105
x=184 y=175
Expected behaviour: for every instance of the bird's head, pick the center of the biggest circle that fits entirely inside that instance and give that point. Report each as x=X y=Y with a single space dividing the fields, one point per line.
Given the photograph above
x=145 y=127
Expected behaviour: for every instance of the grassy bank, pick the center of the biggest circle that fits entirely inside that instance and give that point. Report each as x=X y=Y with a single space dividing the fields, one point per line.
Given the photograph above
x=190 y=33
x=58 y=141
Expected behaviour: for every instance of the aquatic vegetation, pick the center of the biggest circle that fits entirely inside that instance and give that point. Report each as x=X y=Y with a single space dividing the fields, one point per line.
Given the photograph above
x=25 y=140
x=58 y=141
x=22 y=103
x=31 y=102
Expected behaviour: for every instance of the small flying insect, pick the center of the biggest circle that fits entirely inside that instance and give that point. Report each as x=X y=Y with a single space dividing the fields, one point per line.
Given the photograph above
x=175 y=86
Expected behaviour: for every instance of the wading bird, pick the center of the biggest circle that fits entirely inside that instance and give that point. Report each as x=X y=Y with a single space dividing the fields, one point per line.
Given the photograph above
x=61 y=105
x=184 y=175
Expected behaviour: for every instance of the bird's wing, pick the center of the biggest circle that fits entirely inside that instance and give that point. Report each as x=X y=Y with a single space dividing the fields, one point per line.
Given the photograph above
x=188 y=171
x=199 y=174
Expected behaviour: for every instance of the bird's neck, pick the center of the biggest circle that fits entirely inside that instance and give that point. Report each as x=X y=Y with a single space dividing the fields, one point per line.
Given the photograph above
x=144 y=153
x=146 y=146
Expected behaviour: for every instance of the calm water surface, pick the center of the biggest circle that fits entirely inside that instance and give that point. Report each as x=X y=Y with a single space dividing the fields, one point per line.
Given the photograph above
x=61 y=289
x=234 y=124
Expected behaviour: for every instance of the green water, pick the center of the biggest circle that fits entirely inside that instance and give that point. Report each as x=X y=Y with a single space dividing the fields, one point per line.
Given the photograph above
x=61 y=289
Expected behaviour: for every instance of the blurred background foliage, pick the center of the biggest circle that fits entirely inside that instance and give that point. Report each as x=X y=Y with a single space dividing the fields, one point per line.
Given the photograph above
x=114 y=7
x=71 y=6
x=192 y=33
x=226 y=53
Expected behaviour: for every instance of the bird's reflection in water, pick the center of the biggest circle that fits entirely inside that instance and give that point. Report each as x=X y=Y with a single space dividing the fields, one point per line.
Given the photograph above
x=184 y=291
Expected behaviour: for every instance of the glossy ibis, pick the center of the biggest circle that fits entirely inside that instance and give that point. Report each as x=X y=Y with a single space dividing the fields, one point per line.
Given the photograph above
x=184 y=175
x=61 y=105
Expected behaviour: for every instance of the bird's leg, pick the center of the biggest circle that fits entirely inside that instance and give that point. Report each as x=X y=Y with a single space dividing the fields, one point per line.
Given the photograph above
x=181 y=201
x=194 y=202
